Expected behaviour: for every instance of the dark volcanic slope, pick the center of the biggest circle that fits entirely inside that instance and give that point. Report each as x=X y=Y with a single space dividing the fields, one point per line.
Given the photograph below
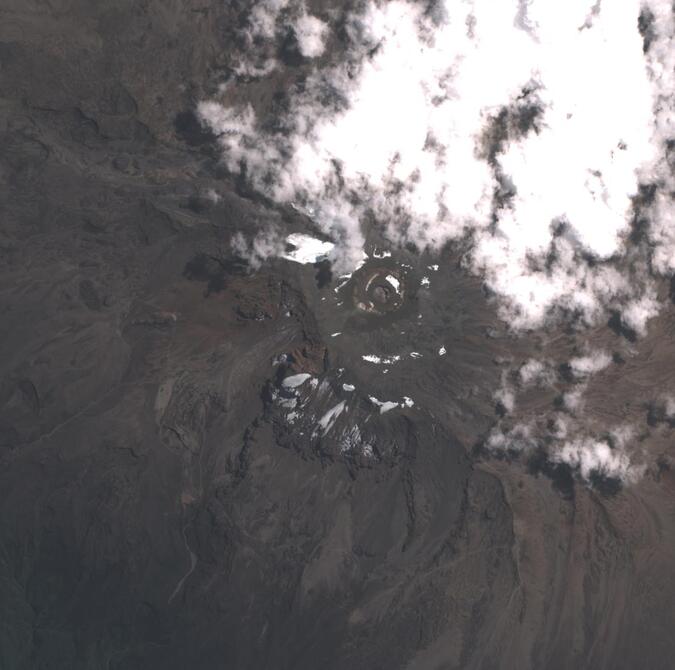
x=158 y=510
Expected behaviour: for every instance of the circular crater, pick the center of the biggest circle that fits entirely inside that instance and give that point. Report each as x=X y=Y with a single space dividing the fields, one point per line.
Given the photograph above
x=379 y=290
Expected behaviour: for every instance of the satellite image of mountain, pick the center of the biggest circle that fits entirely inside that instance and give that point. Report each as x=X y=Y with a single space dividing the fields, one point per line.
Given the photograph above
x=337 y=335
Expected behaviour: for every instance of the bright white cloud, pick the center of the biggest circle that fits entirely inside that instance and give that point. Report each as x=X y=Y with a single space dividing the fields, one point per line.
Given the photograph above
x=311 y=34
x=527 y=127
x=262 y=246
x=266 y=24
x=587 y=456
x=536 y=372
x=584 y=366
x=330 y=417
x=519 y=439
x=404 y=135
x=594 y=457
x=296 y=380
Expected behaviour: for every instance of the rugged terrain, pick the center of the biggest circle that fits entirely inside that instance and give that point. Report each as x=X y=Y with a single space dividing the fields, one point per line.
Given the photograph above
x=159 y=509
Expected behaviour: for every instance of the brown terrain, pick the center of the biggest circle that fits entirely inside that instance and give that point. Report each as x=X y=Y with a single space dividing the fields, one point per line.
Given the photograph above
x=159 y=509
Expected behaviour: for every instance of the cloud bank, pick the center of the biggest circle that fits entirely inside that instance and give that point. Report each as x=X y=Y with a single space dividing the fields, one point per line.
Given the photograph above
x=540 y=135
x=527 y=128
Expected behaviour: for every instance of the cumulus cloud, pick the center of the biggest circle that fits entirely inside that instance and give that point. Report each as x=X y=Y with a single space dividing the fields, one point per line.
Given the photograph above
x=259 y=248
x=565 y=441
x=505 y=398
x=519 y=438
x=535 y=372
x=565 y=435
x=636 y=312
x=584 y=366
x=669 y=407
x=311 y=34
x=657 y=22
x=573 y=400
x=592 y=457
x=526 y=126
x=662 y=410
x=267 y=24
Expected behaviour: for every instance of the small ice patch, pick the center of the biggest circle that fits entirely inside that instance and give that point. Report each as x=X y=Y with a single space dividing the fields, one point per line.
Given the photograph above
x=387 y=360
x=442 y=351
x=415 y=354
x=336 y=334
x=407 y=402
x=381 y=254
x=394 y=282
x=425 y=281
x=367 y=451
x=434 y=268
x=384 y=406
x=348 y=387
x=307 y=249
x=342 y=280
x=295 y=380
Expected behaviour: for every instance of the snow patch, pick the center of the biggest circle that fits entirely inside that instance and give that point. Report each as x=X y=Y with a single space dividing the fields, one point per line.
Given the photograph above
x=379 y=360
x=307 y=249
x=394 y=282
x=385 y=406
x=327 y=421
x=388 y=405
x=295 y=380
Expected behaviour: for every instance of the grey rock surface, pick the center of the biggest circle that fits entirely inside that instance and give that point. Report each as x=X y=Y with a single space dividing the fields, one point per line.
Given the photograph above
x=157 y=508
